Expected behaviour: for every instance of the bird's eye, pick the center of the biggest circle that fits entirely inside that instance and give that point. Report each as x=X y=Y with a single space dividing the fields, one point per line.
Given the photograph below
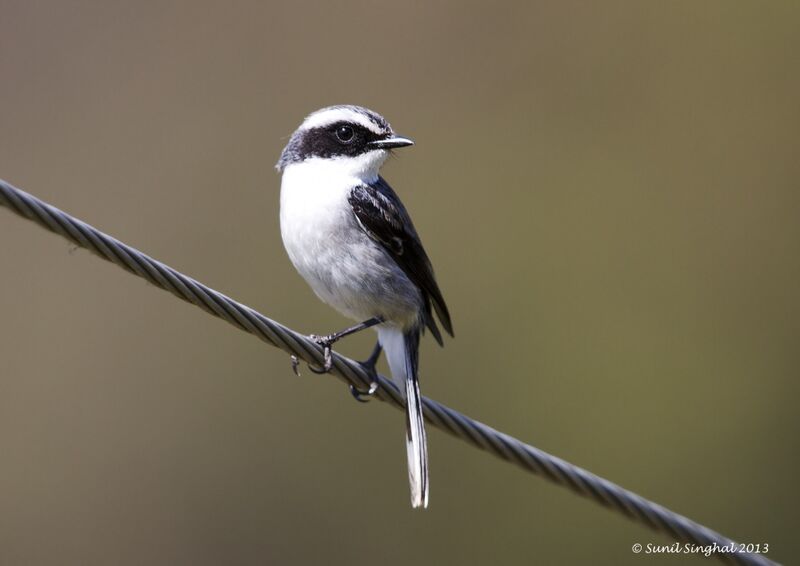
x=345 y=133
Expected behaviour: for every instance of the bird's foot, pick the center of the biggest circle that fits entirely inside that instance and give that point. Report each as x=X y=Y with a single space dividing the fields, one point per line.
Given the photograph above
x=327 y=341
x=369 y=366
x=359 y=395
x=327 y=356
x=327 y=353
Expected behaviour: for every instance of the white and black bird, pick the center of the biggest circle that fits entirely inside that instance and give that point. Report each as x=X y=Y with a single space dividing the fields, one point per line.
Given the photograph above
x=351 y=238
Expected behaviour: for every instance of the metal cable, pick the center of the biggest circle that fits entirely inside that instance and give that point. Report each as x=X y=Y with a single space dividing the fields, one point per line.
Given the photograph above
x=475 y=433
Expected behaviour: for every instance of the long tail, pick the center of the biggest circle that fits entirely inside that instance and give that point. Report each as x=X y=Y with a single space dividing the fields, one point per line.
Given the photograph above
x=402 y=353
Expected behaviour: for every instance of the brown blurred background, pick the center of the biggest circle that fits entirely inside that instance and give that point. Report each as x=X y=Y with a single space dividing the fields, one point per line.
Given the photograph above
x=609 y=193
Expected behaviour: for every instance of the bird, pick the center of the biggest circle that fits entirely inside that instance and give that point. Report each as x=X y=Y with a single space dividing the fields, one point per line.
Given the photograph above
x=350 y=237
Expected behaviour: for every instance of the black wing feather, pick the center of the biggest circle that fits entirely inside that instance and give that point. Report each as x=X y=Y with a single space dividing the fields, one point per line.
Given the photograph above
x=384 y=219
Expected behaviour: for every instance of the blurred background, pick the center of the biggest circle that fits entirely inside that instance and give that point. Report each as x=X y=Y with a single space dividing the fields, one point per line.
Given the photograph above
x=608 y=191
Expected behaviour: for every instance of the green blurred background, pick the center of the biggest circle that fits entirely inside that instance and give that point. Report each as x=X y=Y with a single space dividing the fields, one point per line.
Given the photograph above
x=609 y=193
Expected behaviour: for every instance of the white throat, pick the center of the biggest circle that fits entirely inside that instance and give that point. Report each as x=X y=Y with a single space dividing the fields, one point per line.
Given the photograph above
x=364 y=167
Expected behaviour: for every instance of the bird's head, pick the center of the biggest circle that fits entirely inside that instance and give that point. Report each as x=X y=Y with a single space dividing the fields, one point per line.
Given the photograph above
x=352 y=139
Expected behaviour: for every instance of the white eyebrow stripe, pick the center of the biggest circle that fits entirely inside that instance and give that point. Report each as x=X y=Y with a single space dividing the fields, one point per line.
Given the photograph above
x=329 y=116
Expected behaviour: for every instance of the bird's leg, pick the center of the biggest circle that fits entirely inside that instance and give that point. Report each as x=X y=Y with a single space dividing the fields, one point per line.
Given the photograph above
x=368 y=365
x=327 y=341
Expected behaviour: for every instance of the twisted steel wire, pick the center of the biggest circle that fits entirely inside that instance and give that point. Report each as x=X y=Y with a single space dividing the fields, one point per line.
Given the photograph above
x=481 y=436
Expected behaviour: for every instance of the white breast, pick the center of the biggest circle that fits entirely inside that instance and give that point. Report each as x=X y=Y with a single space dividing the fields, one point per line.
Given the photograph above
x=313 y=209
x=343 y=266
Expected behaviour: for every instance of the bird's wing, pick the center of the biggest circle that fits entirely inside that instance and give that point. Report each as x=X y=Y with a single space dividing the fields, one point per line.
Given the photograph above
x=384 y=219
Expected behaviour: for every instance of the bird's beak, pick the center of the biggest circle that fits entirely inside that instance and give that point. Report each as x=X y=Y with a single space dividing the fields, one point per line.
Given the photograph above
x=390 y=143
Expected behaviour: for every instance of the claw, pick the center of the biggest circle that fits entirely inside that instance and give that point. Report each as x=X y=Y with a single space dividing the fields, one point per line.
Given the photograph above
x=318 y=371
x=369 y=366
x=295 y=364
x=325 y=342
x=358 y=394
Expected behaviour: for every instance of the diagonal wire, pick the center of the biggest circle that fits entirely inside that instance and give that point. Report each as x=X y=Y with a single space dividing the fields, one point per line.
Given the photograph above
x=481 y=436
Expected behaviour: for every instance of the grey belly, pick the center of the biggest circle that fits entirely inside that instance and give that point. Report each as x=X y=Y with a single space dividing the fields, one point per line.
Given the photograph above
x=353 y=274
